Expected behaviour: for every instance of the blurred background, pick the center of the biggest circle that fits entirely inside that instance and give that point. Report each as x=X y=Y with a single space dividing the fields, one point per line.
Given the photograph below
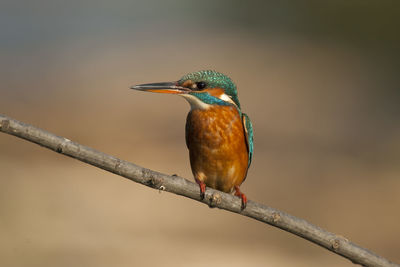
x=320 y=82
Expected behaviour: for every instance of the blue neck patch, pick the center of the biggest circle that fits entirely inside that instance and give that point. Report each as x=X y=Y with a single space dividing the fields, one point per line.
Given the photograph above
x=209 y=99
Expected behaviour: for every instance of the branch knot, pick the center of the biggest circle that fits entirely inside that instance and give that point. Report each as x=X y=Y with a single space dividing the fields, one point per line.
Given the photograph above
x=60 y=148
x=215 y=200
x=335 y=243
x=4 y=125
x=276 y=217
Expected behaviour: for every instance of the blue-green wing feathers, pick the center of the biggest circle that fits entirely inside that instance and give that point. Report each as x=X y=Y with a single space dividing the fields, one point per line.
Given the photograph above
x=248 y=128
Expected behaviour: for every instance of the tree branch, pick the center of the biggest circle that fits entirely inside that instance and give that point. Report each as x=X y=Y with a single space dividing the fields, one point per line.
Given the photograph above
x=183 y=187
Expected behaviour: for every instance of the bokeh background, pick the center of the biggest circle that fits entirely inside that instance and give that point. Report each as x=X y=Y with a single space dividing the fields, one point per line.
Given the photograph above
x=320 y=81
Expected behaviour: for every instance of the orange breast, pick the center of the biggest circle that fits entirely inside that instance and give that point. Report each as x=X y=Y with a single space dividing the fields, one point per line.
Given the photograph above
x=217 y=146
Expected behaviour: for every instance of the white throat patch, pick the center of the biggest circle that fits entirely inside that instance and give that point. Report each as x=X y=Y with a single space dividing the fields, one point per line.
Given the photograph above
x=195 y=103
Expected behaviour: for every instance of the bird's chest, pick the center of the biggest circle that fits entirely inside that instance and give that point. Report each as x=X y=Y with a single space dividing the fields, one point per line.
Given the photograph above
x=214 y=130
x=217 y=147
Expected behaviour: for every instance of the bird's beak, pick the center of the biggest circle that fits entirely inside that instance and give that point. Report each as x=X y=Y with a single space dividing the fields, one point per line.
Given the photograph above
x=166 y=87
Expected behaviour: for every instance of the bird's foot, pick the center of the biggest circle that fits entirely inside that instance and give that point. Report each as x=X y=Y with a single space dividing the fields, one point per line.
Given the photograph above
x=242 y=197
x=202 y=186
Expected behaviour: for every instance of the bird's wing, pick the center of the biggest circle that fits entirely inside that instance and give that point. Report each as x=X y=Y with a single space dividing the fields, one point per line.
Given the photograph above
x=248 y=128
x=187 y=127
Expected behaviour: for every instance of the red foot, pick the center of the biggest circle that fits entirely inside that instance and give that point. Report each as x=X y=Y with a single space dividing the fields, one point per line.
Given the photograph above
x=242 y=196
x=202 y=188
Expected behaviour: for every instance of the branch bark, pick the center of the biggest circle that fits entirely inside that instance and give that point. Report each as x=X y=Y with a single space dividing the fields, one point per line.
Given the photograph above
x=183 y=187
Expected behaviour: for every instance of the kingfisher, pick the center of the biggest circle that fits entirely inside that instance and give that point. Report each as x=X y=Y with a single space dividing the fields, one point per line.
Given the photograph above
x=219 y=135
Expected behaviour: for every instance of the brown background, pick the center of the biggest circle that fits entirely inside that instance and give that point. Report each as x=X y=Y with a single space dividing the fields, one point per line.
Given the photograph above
x=320 y=84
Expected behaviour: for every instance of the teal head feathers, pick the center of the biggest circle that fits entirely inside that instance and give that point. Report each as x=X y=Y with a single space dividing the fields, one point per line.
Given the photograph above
x=200 y=88
x=209 y=79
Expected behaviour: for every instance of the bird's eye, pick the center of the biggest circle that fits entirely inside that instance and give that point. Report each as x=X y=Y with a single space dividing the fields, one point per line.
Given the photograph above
x=201 y=85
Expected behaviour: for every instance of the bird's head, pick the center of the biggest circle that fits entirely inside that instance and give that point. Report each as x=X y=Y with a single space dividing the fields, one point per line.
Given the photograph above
x=200 y=88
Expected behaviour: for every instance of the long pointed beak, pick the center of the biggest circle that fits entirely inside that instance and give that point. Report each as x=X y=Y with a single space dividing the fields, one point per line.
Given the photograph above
x=166 y=87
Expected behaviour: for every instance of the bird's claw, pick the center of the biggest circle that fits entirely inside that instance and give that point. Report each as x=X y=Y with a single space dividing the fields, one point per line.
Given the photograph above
x=244 y=201
x=242 y=197
x=202 y=186
x=202 y=190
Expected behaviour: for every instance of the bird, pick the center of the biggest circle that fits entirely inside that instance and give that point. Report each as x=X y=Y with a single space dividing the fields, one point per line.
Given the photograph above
x=218 y=134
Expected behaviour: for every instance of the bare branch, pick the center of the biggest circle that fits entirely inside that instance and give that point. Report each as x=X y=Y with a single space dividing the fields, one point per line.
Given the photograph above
x=183 y=187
